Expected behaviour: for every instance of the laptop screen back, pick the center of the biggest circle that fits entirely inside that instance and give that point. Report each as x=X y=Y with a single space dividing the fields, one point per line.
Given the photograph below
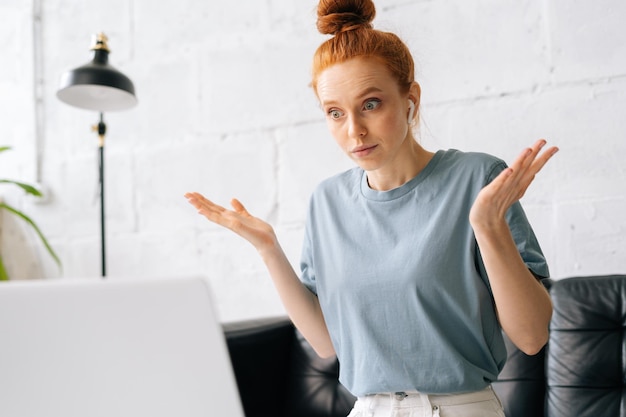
x=113 y=348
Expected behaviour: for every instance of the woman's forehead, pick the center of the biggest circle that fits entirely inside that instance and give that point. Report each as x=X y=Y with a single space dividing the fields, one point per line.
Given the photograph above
x=354 y=78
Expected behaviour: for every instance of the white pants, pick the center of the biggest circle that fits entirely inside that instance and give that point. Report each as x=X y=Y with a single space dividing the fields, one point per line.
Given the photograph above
x=482 y=403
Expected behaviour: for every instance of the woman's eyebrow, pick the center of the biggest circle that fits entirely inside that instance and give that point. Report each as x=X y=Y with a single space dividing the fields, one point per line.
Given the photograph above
x=370 y=90
x=362 y=94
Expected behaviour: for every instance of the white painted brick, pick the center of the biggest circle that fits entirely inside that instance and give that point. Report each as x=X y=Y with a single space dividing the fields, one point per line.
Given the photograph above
x=584 y=121
x=239 y=281
x=591 y=236
x=587 y=38
x=69 y=26
x=16 y=91
x=81 y=257
x=120 y=193
x=246 y=88
x=80 y=198
x=168 y=99
x=168 y=25
x=308 y=155
x=225 y=109
x=16 y=38
x=239 y=166
x=466 y=49
x=152 y=254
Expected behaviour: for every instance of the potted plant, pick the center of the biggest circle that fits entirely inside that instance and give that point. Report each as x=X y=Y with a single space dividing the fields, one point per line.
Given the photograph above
x=29 y=189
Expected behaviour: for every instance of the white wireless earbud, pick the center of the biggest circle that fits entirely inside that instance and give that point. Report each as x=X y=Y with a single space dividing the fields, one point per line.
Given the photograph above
x=411 y=111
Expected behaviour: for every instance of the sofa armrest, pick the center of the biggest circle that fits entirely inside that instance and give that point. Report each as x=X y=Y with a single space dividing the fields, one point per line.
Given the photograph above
x=260 y=352
x=278 y=373
x=314 y=390
x=521 y=386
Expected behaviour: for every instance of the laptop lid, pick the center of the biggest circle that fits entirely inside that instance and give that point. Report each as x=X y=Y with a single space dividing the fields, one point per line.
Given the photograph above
x=113 y=348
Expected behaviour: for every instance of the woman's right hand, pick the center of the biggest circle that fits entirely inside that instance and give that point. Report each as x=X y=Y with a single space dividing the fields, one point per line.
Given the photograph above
x=301 y=304
x=259 y=233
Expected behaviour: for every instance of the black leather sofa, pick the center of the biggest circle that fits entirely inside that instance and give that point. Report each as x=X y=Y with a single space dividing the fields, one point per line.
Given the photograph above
x=580 y=373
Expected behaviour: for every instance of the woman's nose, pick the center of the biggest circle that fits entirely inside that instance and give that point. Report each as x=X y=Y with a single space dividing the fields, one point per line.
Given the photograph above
x=356 y=127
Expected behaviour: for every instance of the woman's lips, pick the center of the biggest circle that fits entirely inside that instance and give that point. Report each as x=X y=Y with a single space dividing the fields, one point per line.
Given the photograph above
x=362 y=151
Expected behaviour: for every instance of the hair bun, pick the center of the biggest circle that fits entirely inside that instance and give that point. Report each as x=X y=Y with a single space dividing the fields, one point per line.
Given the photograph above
x=335 y=16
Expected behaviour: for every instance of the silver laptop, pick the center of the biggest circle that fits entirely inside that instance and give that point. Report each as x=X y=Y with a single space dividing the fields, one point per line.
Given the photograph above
x=113 y=348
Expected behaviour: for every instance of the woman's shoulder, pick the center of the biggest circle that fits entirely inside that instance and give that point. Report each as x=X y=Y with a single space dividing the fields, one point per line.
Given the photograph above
x=470 y=158
x=475 y=162
x=342 y=181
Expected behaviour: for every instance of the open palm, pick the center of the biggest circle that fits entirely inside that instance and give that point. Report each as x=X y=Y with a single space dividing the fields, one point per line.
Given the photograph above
x=256 y=231
x=495 y=199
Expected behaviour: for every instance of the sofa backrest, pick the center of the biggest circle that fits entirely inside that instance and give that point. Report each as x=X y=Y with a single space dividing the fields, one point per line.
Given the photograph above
x=587 y=349
x=580 y=373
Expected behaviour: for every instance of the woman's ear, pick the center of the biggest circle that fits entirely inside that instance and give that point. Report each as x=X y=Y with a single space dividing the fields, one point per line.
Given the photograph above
x=415 y=92
x=411 y=111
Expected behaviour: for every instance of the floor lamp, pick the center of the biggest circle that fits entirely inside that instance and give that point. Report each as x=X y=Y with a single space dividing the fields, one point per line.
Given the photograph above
x=100 y=87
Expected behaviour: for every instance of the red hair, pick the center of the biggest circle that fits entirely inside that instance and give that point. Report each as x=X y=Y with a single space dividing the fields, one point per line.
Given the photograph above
x=350 y=23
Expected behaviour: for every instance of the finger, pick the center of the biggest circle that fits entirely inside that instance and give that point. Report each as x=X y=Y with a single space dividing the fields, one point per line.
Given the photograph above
x=509 y=182
x=542 y=159
x=526 y=157
x=524 y=173
x=196 y=199
x=205 y=206
x=538 y=145
x=190 y=196
x=532 y=164
x=193 y=199
x=499 y=181
x=237 y=206
x=531 y=160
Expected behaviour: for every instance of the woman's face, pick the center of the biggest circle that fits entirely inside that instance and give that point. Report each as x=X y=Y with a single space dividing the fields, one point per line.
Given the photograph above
x=365 y=111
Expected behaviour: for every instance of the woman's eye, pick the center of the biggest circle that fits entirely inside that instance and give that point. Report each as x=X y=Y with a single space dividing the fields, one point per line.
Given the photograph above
x=335 y=114
x=371 y=104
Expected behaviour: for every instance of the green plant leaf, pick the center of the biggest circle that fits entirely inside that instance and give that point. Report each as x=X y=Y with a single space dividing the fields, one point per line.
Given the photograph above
x=29 y=189
x=26 y=187
x=3 y=272
x=36 y=228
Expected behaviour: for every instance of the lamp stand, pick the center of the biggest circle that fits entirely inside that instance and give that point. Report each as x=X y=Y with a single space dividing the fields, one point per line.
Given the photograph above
x=98 y=86
x=101 y=129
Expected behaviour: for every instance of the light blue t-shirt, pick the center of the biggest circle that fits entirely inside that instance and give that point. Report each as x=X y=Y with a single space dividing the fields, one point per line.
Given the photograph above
x=400 y=279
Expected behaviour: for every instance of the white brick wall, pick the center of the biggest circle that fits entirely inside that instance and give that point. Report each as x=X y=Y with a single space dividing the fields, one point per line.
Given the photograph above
x=225 y=109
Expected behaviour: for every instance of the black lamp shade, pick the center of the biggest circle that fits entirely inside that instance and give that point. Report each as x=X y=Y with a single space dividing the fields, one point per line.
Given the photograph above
x=97 y=86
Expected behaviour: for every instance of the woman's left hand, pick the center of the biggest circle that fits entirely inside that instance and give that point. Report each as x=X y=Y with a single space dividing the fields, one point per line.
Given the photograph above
x=495 y=199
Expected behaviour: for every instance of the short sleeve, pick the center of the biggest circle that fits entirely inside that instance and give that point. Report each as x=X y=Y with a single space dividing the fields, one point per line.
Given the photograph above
x=307 y=269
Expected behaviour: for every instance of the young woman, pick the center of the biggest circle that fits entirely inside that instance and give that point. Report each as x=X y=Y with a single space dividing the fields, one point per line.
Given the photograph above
x=413 y=261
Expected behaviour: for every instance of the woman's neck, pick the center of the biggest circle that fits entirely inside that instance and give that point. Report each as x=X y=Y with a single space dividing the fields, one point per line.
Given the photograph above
x=408 y=163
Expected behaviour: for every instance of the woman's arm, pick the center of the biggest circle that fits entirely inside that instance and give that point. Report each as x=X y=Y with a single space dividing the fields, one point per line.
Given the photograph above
x=301 y=305
x=522 y=303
